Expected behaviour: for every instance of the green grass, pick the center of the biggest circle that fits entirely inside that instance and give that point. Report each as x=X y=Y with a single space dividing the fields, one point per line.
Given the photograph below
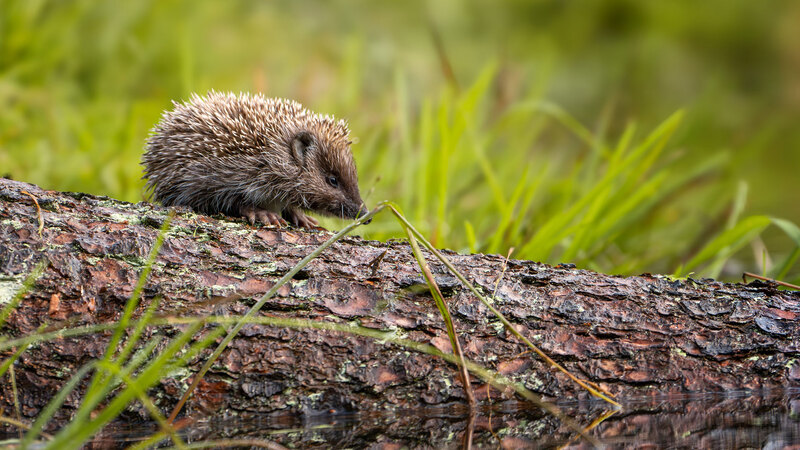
x=613 y=207
x=556 y=133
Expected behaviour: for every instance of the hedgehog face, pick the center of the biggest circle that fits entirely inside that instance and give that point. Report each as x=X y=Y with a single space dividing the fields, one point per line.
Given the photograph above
x=328 y=175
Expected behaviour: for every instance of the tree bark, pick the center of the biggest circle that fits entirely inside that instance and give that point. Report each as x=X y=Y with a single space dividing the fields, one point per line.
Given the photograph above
x=632 y=335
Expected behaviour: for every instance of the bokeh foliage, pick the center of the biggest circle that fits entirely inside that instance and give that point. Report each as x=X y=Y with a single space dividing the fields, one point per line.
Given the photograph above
x=623 y=136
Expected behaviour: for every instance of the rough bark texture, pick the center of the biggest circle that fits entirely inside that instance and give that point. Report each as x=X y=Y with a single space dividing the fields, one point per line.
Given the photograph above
x=632 y=335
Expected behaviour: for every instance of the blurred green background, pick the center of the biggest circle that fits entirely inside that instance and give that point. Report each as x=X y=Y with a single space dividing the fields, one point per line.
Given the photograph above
x=623 y=136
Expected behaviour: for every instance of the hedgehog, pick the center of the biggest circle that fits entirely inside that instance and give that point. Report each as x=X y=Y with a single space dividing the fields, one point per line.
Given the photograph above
x=266 y=159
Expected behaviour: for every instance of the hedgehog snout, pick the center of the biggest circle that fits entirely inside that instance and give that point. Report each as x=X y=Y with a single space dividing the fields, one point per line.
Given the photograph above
x=353 y=210
x=363 y=212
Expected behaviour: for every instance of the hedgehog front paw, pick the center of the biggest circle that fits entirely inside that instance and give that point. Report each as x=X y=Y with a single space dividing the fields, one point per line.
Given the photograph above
x=253 y=214
x=300 y=219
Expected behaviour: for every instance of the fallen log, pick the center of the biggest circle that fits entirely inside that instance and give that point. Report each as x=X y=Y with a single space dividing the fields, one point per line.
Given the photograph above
x=633 y=336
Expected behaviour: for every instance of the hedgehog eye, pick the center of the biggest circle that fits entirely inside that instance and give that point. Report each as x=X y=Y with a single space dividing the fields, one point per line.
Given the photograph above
x=333 y=181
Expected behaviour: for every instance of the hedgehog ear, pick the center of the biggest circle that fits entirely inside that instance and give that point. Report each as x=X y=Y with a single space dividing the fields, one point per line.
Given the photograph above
x=301 y=146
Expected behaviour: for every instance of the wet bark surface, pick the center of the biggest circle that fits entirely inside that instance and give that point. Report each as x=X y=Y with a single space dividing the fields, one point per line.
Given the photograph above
x=634 y=336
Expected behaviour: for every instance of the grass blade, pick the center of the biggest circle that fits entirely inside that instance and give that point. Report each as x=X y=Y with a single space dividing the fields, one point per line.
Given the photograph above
x=448 y=320
x=793 y=231
x=721 y=247
x=27 y=284
x=494 y=311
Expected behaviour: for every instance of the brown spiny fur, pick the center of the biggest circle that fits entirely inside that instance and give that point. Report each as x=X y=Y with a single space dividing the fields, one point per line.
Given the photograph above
x=224 y=153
